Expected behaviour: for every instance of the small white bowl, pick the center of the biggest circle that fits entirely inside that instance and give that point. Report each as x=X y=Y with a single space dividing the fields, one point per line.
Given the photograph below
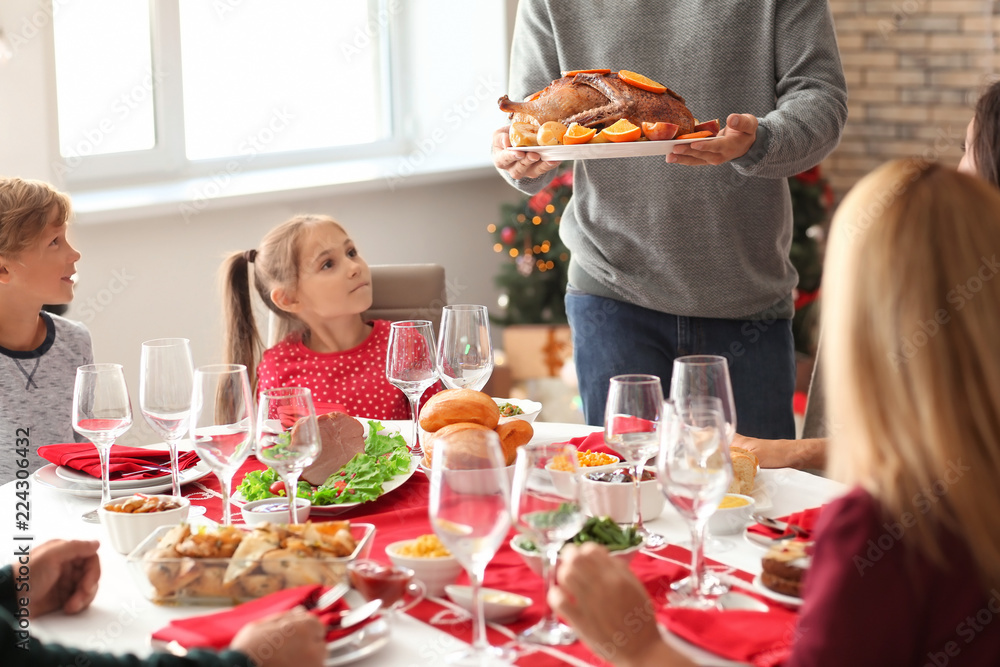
x=498 y=606
x=257 y=512
x=436 y=573
x=533 y=558
x=126 y=531
x=732 y=520
x=617 y=499
x=563 y=479
x=530 y=408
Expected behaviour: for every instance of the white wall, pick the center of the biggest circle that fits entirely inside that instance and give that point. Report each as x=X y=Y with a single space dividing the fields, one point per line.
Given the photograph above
x=156 y=277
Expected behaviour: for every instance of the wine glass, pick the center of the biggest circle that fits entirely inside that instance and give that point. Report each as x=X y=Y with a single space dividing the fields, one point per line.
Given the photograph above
x=101 y=413
x=705 y=375
x=410 y=366
x=631 y=428
x=465 y=352
x=221 y=422
x=549 y=515
x=695 y=472
x=469 y=511
x=166 y=377
x=287 y=436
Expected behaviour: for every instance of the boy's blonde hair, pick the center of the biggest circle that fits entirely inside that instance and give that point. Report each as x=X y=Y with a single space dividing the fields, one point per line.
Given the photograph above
x=911 y=315
x=274 y=264
x=25 y=207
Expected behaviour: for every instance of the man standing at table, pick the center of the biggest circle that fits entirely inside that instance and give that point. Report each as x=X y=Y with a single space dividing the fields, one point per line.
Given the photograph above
x=688 y=257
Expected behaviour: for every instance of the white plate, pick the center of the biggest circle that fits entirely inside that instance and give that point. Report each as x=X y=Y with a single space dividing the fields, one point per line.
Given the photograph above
x=84 y=480
x=608 y=150
x=774 y=595
x=46 y=476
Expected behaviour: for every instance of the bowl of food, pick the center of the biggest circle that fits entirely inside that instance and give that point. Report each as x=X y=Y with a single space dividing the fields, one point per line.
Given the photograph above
x=231 y=564
x=621 y=543
x=611 y=493
x=128 y=521
x=498 y=606
x=522 y=408
x=562 y=473
x=732 y=515
x=429 y=559
x=274 y=510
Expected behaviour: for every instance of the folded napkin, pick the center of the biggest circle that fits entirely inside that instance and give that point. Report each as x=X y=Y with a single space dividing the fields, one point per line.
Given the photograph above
x=805 y=520
x=216 y=631
x=83 y=456
x=759 y=638
x=594 y=442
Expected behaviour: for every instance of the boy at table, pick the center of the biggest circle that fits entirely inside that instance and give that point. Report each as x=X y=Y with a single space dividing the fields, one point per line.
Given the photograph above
x=63 y=576
x=39 y=352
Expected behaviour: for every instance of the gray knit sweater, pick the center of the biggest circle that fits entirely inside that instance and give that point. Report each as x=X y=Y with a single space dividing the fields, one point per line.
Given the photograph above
x=694 y=241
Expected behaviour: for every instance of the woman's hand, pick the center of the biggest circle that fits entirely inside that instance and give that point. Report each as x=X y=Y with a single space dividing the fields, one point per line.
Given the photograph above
x=733 y=142
x=64 y=575
x=519 y=164
x=609 y=608
x=291 y=639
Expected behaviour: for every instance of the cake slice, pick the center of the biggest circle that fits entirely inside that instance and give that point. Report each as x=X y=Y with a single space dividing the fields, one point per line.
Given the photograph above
x=785 y=566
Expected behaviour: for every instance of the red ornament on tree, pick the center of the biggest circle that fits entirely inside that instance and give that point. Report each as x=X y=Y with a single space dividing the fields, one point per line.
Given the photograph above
x=508 y=235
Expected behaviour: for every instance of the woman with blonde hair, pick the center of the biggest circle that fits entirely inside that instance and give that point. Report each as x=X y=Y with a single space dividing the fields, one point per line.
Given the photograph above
x=906 y=566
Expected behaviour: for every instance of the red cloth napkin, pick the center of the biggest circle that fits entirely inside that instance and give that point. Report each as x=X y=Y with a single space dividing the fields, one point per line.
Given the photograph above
x=806 y=520
x=83 y=456
x=763 y=639
x=594 y=442
x=216 y=631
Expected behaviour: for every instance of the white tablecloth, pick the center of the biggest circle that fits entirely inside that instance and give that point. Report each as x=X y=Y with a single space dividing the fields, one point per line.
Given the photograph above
x=121 y=621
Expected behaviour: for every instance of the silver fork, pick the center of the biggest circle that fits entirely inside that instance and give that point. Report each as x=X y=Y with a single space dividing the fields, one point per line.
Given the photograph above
x=774 y=524
x=331 y=597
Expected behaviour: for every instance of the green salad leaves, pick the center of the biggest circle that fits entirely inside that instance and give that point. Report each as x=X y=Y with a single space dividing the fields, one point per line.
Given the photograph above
x=360 y=480
x=602 y=531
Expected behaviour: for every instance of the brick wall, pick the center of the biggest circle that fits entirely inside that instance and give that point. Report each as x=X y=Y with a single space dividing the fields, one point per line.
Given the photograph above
x=914 y=71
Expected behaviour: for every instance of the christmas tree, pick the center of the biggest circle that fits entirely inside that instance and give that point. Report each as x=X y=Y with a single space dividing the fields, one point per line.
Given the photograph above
x=534 y=281
x=812 y=199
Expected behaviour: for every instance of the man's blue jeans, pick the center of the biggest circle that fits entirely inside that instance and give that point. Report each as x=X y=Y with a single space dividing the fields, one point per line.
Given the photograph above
x=613 y=337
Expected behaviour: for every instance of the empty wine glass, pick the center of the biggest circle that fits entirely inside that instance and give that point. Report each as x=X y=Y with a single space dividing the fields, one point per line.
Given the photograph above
x=465 y=351
x=694 y=472
x=287 y=436
x=549 y=515
x=410 y=366
x=631 y=428
x=221 y=422
x=705 y=375
x=101 y=413
x=166 y=377
x=469 y=511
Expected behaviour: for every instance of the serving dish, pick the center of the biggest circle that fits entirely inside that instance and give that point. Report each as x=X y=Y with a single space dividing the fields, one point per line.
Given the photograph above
x=127 y=530
x=498 y=606
x=608 y=150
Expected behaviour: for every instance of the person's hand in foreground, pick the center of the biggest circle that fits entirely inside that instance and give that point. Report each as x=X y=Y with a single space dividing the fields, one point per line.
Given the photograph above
x=733 y=142
x=807 y=453
x=291 y=639
x=519 y=164
x=64 y=576
x=609 y=608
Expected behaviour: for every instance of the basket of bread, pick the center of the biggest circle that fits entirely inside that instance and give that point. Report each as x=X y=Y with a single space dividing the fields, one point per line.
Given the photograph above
x=456 y=410
x=229 y=564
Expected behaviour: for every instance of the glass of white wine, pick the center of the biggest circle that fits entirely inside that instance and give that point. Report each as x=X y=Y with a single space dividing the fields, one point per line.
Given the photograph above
x=166 y=377
x=287 y=436
x=465 y=351
x=409 y=365
x=470 y=513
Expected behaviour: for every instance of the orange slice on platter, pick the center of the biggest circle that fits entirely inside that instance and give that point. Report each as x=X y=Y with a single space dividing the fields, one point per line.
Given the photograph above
x=551 y=133
x=578 y=134
x=600 y=138
x=623 y=131
x=640 y=81
x=574 y=72
x=704 y=134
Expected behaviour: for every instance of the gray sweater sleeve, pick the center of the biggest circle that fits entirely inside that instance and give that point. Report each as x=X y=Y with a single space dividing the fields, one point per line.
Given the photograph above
x=811 y=95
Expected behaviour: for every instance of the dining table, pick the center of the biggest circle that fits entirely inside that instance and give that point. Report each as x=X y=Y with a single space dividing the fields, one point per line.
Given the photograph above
x=121 y=620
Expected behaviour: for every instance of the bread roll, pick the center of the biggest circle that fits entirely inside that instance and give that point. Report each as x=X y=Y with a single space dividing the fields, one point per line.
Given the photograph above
x=744 y=471
x=513 y=433
x=464 y=453
x=453 y=406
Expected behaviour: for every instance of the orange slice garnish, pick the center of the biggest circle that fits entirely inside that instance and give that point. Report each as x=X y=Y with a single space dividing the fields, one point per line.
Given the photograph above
x=551 y=133
x=622 y=131
x=640 y=81
x=578 y=134
x=600 y=138
x=574 y=72
x=703 y=134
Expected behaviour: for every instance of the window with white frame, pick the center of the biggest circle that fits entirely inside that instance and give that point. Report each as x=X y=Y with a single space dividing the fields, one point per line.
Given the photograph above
x=179 y=87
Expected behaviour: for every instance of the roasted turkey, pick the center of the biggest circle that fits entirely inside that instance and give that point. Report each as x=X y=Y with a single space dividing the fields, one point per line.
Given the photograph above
x=596 y=100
